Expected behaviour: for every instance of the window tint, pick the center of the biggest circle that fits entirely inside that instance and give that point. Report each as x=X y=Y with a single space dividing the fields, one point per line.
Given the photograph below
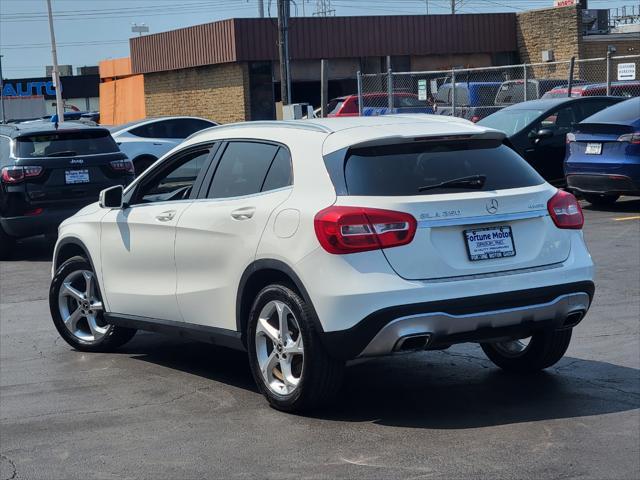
x=589 y=108
x=627 y=111
x=402 y=169
x=280 y=171
x=66 y=144
x=176 y=181
x=510 y=120
x=242 y=169
x=152 y=130
x=561 y=121
x=183 y=127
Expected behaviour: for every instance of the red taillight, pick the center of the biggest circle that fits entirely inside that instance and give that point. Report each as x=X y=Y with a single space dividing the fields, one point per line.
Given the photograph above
x=358 y=229
x=123 y=166
x=17 y=174
x=475 y=118
x=565 y=210
x=633 y=138
x=570 y=138
x=34 y=212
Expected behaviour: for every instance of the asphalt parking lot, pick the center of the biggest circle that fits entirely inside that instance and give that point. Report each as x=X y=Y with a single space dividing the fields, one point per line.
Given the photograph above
x=165 y=408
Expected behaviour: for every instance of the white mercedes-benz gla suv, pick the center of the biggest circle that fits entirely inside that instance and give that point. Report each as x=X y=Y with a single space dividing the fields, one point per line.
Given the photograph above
x=310 y=243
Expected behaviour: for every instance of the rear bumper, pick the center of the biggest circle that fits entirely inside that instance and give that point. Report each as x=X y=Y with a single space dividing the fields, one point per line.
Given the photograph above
x=47 y=222
x=515 y=314
x=603 y=184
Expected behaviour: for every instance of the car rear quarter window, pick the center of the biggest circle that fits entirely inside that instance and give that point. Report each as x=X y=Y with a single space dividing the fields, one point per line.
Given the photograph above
x=279 y=174
x=65 y=144
x=242 y=169
x=5 y=150
x=401 y=169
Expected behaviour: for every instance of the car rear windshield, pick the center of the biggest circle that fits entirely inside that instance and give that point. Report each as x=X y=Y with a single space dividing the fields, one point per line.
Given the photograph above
x=402 y=169
x=65 y=144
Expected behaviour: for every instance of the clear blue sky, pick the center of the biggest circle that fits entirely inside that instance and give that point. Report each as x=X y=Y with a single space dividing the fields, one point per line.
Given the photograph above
x=88 y=31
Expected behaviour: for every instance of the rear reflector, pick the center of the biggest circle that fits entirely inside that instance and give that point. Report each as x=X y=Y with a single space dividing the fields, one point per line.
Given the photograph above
x=342 y=230
x=34 y=212
x=565 y=210
x=17 y=174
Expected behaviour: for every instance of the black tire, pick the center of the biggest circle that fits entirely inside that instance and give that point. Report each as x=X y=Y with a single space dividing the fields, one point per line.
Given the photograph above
x=321 y=375
x=601 y=200
x=545 y=349
x=7 y=244
x=114 y=337
x=141 y=163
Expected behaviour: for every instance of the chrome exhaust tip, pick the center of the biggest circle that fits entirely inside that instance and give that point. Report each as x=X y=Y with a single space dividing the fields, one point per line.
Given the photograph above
x=573 y=319
x=412 y=343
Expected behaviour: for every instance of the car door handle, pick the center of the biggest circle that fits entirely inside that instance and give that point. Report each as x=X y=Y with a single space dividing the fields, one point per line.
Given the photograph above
x=166 y=216
x=244 y=213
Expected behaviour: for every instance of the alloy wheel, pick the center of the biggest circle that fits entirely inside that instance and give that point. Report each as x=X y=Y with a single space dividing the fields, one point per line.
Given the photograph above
x=81 y=308
x=279 y=348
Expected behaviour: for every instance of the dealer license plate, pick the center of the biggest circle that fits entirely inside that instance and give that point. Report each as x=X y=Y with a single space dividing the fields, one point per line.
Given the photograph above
x=593 y=149
x=490 y=242
x=76 y=176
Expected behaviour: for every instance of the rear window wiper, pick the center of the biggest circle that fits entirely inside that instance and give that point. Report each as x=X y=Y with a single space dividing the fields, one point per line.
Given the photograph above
x=62 y=153
x=472 y=181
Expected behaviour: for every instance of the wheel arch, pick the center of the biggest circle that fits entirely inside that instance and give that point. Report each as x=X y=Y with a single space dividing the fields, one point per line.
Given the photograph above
x=67 y=248
x=258 y=275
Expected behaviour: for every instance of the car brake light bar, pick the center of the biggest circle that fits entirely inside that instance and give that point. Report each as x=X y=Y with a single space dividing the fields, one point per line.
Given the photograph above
x=17 y=174
x=342 y=230
x=633 y=138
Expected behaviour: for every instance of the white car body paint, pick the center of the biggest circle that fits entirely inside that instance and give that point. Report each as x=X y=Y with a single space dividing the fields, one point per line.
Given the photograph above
x=189 y=269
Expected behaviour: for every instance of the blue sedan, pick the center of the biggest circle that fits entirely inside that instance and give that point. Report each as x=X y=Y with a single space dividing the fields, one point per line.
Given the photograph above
x=603 y=154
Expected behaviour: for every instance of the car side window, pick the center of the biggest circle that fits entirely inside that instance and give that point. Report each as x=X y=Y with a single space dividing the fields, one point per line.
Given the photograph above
x=158 y=129
x=184 y=127
x=561 y=121
x=589 y=108
x=174 y=182
x=279 y=174
x=242 y=169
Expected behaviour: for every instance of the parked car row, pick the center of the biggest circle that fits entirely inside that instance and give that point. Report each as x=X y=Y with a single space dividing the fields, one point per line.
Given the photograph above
x=49 y=171
x=588 y=144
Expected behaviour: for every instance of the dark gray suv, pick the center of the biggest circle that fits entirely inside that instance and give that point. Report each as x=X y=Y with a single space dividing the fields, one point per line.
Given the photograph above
x=48 y=173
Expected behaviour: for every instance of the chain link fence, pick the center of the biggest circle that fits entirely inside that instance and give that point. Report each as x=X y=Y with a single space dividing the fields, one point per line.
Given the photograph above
x=474 y=93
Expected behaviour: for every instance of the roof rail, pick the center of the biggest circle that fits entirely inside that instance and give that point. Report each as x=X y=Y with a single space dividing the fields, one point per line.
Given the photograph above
x=294 y=124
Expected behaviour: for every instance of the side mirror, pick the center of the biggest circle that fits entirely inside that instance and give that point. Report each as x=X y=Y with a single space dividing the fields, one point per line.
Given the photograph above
x=111 y=197
x=544 y=133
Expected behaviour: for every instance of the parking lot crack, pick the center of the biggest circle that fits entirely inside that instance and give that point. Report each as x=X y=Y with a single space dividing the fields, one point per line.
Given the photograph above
x=12 y=467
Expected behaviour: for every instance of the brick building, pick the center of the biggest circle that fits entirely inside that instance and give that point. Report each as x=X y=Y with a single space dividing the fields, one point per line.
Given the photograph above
x=228 y=70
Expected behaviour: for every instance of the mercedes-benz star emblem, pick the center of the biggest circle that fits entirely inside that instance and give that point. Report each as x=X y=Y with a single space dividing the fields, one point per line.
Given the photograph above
x=492 y=206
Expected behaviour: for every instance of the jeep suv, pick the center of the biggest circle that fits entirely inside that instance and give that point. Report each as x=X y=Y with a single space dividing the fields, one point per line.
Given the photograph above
x=308 y=243
x=47 y=174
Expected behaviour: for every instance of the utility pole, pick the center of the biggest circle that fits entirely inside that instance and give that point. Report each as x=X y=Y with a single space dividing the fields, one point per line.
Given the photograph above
x=261 y=8
x=283 y=50
x=2 y=118
x=56 y=71
x=426 y=4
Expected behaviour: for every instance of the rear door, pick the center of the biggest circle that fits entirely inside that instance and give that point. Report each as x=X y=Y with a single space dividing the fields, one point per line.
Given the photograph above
x=218 y=235
x=457 y=225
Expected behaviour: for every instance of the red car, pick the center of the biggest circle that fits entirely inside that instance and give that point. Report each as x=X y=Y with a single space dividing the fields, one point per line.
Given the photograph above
x=377 y=104
x=618 y=89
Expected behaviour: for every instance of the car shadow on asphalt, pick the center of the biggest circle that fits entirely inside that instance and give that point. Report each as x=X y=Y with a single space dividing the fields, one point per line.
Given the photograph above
x=34 y=249
x=454 y=389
